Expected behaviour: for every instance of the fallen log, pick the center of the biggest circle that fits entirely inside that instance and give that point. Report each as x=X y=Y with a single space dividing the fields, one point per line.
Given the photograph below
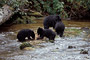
x=5 y=13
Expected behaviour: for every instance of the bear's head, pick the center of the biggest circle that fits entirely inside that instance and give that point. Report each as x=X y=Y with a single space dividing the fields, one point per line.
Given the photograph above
x=40 y=31
x=58 y=18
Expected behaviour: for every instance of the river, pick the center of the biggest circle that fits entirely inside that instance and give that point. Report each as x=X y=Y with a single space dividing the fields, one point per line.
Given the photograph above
x=76 y=35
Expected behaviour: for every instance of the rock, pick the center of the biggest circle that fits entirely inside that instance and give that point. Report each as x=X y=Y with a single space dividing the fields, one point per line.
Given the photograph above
x=25 y=44
x=70 y=47
x=29 y=48
x=83 y=52
x=85 y=28
x=5 y=13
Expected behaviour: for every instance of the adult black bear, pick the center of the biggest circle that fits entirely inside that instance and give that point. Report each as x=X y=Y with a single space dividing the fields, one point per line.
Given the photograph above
x=50 y=21
x=46 y=33
x=59 y=28
x=22 y=34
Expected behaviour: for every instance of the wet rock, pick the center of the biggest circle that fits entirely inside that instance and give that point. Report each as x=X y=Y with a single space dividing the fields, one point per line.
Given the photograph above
x=5 y=42
x=70 y=47
x=85 y=28
x=84 y=52
x=88 y=36
x=29 y=48
x=57 y=48
x=25 y=44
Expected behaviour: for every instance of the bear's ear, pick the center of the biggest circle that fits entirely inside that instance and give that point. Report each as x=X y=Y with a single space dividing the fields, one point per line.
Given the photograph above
x=58 y=18
x=41 y=29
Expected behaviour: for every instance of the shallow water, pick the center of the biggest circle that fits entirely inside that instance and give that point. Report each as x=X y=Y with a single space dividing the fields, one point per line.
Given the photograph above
x=9 y=47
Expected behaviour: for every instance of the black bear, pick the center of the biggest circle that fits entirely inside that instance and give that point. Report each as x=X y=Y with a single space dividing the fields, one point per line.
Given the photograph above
x=46 y=33
x=50 y=21
x=59 y=28
x=22 y=34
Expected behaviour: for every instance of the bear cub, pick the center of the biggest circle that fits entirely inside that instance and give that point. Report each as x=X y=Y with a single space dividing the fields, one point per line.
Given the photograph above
x=22 y=34
x=46 y=33
x=59 y=28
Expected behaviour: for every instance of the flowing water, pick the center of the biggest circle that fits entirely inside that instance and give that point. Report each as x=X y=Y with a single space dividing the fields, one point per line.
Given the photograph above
x=76 y=35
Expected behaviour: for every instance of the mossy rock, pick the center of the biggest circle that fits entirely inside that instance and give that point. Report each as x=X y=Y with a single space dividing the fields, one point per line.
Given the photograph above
x=83 y=52
x=25 y=44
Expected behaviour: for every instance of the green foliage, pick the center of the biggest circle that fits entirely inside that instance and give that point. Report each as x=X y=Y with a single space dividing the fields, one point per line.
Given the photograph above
x=25 y=20
x=64 y=8
x=70 y=1
x=50 y=7
x=77 y=8
x=13 y=3
x=86 y=3
x=52 y=41
x=2 y=2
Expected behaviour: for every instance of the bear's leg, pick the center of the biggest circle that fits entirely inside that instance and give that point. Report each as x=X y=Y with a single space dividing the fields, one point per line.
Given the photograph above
x=22 y=40
x=33 y=37
x=29 y=37
x=61 y=34
x=57 y=32
x=51 y=39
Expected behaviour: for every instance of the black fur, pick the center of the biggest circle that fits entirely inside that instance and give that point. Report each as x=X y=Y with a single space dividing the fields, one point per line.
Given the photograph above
x=59 y=28
x=22 y=34
x=50 y=21
x=46 y=33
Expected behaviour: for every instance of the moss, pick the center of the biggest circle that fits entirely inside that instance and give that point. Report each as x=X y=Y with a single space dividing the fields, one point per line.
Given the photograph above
x=52 y=41
x=25 y=44
x=36 y=14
